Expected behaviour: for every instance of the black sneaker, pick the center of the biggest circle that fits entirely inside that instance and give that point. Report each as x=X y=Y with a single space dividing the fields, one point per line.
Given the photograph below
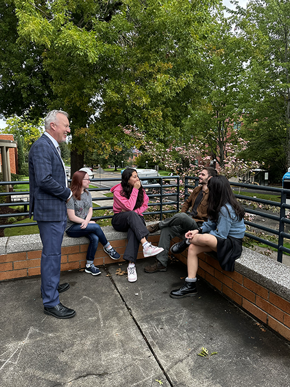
x=92 y=269
x=179 y=247
x=112 y=253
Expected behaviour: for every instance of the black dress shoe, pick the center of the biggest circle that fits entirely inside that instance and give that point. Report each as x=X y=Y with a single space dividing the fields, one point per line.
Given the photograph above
x=179 y=247
x=61 y=288
x=153 y=227
x=60 y=311
x=187 y=290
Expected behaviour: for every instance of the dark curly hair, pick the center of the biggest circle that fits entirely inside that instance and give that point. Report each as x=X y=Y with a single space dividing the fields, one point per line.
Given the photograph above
x=220 y=194
x=127 y=188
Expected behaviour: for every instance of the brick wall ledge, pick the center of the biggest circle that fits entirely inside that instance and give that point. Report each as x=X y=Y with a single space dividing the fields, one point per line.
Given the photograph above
x=20 y=256
x=259 y=285
x=265 y=271
x=255 y=266
x=16 y=244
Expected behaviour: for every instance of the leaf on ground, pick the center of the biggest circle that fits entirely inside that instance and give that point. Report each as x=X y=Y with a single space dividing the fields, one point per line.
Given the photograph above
x=159 y=381
x=108 y=275
x=120 y=272
x=204 y=353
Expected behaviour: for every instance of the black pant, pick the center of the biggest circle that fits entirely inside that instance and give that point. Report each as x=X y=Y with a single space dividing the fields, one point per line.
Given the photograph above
x=135 y=226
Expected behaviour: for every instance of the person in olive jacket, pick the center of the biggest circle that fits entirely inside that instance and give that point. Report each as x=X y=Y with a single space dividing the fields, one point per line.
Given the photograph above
x=180 y=223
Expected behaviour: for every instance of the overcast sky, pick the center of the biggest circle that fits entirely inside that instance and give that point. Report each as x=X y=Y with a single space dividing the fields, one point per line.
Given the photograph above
x=242 y=3
x=226 y=3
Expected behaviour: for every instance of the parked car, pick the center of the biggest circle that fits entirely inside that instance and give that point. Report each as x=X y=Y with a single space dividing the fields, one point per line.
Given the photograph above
x=143 y=173
x=89 y=171
x=67 y=171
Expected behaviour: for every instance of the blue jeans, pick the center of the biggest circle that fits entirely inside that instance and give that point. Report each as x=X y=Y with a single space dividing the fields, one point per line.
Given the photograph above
x=93 y=232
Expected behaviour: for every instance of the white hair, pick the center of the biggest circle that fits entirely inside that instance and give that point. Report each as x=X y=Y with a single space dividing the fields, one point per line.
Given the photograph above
x=51 y=117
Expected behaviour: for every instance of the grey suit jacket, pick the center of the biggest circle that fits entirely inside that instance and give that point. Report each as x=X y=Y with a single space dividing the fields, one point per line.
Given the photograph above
x=48 y=191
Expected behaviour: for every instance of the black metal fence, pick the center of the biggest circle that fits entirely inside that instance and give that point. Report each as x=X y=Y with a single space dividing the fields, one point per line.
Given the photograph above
x=163 y=192
x=280 y=218
x=165 y=196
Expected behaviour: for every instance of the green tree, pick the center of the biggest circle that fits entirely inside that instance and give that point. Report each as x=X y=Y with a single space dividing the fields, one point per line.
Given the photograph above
x=19 y=127
x=135 y=63
x=213 y=119
x=65 y=152
x=25 y=133
x=24 y=84
x=265 y=25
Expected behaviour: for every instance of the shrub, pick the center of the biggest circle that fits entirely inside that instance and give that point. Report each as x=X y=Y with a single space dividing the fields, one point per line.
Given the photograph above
x=11 y=220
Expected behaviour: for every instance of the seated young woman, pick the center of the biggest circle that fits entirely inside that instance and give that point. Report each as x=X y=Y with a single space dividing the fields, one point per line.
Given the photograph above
x=222 y=233
x=79 y=223
x=130 y=201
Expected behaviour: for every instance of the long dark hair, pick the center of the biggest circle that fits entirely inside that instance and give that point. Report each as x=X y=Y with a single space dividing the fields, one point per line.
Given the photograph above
x=77 y=184
x=127 y=188
x=220 y=194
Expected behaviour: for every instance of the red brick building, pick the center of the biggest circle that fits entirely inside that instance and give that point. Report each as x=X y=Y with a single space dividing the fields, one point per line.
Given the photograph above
x=7 y=144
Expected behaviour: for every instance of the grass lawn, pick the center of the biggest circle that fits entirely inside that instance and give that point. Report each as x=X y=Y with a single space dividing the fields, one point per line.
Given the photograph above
x=102 y=222
x=164 y=173
x=248 y=242
x=25 y=230
x=113 y=170
x=273 y=198
x=109 y=194
x=21 y=187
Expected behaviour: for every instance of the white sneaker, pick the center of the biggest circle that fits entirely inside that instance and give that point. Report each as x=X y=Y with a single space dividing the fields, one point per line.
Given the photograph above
x=132 y=273
x=151 y=250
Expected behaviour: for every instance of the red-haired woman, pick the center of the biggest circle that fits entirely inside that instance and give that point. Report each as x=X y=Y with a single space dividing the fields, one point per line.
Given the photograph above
x=79 y=223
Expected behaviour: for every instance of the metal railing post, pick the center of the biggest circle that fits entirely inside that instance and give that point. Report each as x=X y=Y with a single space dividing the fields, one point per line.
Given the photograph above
x=161 y=201
x=178 y=193
x=185 y=186
x=281 y=226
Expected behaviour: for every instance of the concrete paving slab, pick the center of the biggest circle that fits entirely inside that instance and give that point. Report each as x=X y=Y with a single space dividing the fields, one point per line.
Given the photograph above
x=247 y=353
x=128 y=334
x=101 y=346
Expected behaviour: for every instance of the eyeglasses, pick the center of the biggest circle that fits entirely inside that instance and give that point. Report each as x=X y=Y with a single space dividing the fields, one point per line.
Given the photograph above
x=87 y=179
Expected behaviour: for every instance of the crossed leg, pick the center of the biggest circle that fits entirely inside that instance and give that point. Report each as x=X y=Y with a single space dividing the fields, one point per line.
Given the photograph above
x=199 y=243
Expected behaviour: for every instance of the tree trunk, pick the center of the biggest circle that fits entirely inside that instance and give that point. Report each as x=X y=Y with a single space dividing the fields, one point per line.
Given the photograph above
x=77 y=161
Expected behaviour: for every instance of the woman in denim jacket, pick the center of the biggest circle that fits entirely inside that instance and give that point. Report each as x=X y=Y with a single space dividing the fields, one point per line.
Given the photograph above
x=222 y=233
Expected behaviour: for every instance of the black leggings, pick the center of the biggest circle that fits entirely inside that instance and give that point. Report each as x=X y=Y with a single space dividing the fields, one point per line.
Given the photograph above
x=135 y=226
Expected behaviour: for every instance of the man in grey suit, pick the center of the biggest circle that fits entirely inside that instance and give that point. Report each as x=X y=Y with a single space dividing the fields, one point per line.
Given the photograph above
x=48 y=196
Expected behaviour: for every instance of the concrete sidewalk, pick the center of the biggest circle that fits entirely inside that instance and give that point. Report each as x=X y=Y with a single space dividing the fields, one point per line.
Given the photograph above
x=134 y=335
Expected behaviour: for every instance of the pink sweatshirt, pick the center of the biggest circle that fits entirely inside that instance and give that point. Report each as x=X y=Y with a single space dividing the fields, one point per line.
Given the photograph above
x=123 y=204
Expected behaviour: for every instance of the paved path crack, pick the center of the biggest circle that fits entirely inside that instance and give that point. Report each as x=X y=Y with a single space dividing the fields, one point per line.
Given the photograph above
x=139 y=328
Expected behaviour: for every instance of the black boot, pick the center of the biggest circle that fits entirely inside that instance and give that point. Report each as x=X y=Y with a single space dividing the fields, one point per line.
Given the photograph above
x=179 y=247
x=187 y=290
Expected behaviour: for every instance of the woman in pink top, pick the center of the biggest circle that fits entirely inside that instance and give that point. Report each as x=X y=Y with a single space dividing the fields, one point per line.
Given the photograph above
x=130 y=201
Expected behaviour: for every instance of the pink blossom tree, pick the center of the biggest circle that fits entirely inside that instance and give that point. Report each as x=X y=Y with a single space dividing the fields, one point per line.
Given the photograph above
x=188 y=159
